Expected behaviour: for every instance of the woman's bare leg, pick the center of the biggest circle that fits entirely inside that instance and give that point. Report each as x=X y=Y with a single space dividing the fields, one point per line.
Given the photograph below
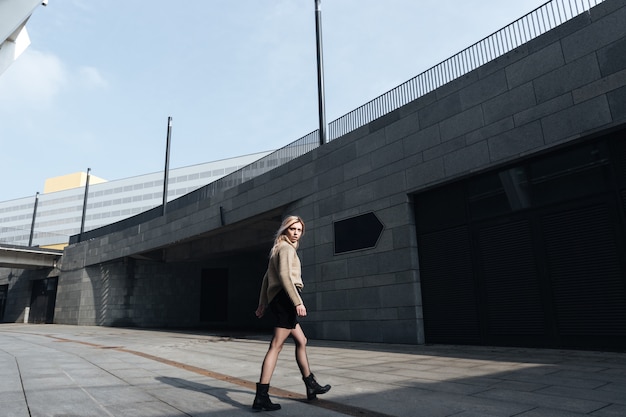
x=271 y=357
x=301 y=356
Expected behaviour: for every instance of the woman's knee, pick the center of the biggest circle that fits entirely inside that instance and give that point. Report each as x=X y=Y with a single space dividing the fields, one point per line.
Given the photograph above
x=301 y=341
x=280 y=336
x=276 y=346
x=298 y=336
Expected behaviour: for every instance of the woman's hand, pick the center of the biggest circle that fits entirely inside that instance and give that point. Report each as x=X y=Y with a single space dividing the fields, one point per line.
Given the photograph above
x=301 y=310
x=260 y=311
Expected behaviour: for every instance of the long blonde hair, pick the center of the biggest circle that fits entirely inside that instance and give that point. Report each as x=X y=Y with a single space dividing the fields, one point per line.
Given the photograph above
x=286 y=224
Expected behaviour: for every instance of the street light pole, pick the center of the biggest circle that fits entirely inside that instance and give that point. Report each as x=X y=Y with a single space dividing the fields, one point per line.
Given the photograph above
x=32 y=224
x=166 y=172
x=82 y=220
x=320 y=71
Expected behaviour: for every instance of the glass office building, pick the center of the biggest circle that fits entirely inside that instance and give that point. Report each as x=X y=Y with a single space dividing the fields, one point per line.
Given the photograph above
x=49 y=219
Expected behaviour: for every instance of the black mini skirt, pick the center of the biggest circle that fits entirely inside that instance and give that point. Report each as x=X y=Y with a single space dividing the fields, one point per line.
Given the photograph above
x=284 y=311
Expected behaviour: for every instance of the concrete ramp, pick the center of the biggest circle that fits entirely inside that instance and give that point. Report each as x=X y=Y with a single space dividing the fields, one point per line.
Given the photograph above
x=28 y=258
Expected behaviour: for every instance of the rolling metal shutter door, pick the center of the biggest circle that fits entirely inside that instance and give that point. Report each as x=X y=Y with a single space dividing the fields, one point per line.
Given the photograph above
x=511 y=294
x=584 y=267
x=448 y=287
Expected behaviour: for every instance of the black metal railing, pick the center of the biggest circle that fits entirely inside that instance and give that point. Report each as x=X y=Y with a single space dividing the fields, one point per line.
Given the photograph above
x=535 y=23
x=277 y=158
x=539 y=21
x=542 y=19
x=21 y=235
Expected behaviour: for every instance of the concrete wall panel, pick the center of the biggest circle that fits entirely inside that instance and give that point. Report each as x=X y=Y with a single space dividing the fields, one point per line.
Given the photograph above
x=535 y=65
x=611 y=59
x=598 y=34
x=580 y=118
x=557 y=88
x=516 y=142
x=467 y=121
x=510 y=102
x=562 y=80
x=617 y=103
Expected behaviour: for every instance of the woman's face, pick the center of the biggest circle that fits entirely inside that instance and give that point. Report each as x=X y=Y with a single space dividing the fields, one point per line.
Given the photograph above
x=294 y=232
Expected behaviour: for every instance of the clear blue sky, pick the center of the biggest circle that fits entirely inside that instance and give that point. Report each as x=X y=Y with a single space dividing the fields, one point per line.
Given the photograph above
x=100 y=78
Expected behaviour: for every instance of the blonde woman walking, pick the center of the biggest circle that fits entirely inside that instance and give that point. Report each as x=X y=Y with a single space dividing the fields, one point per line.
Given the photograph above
x=280 y=293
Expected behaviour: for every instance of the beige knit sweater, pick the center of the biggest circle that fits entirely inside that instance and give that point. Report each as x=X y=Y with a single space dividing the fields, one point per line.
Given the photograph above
x=283 y=272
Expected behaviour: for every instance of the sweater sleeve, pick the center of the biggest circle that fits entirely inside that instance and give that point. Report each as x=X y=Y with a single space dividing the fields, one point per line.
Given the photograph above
x=289 y=271
x=263 y=294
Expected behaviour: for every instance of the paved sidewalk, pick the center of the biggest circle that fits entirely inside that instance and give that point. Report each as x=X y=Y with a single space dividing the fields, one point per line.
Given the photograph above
x=75 y=371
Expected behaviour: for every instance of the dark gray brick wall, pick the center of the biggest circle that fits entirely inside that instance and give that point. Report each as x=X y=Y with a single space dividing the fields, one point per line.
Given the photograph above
x=562 y=86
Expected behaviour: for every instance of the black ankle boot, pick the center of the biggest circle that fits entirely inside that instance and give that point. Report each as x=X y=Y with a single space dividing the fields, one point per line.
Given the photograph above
x=262 y=399
x=313 y=388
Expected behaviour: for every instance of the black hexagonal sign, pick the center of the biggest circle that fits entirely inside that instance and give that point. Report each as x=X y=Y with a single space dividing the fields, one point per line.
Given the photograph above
x=357 y=233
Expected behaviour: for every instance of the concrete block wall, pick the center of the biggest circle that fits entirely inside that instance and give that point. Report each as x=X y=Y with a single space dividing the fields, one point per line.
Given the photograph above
x=91 y=295
x=145 y=293
x=563 y=86
x=19 y=291
x=129 y=293
x=550 y=91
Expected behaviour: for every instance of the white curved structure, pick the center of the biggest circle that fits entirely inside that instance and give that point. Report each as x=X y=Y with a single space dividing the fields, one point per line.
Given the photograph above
x=13 y=35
